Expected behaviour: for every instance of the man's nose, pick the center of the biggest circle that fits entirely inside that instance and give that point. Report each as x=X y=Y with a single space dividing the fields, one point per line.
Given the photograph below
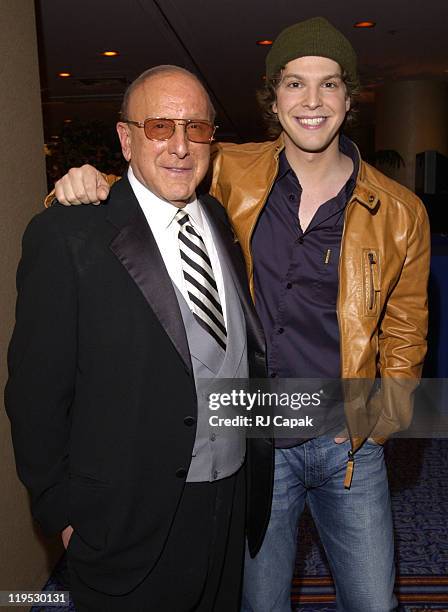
x=179 y=144
x=312 y=97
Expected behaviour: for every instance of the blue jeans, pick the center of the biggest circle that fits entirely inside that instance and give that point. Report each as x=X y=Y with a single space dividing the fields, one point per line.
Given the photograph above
x=355 y=527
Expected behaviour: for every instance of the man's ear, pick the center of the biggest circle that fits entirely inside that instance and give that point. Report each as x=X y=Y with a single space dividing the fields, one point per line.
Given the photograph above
x=124 y=134
x=348 y=104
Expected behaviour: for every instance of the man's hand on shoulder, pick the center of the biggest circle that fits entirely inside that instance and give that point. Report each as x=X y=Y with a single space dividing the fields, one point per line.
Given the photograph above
x=84 y=185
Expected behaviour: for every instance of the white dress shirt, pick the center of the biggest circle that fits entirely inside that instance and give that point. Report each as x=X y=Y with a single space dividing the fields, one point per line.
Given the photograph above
x=160 y=216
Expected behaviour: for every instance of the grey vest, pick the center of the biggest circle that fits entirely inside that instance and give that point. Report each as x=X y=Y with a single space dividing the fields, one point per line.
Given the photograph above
x=218 y=452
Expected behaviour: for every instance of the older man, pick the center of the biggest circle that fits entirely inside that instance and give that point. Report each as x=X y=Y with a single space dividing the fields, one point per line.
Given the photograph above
x=121 y=309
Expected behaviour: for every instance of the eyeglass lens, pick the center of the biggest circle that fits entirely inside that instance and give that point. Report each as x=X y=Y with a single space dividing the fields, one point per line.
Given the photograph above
x=163 y=129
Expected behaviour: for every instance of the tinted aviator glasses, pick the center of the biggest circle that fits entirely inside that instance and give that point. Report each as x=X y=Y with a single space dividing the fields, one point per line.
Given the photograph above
x=160 y=128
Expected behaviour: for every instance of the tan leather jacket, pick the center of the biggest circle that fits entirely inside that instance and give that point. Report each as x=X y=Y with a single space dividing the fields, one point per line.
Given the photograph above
x=383 y=273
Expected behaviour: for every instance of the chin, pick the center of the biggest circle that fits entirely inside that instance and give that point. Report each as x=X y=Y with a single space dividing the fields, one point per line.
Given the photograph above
x=179 y=192
x=307 y=148
x=177 y=197
x=314 y=146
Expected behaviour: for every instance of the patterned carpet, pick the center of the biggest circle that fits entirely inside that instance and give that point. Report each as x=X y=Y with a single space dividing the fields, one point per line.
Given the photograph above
x=418 y=475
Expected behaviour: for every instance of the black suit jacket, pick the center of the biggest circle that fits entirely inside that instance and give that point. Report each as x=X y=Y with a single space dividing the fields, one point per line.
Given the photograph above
x=101 y=386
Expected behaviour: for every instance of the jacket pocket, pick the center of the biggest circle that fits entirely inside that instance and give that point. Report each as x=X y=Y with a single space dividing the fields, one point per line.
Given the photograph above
x=89 y=507
x=371 y=265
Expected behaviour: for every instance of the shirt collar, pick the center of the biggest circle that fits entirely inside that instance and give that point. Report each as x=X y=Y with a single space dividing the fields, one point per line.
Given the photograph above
x=162 y=213
x=194 y=211
x=347 y=147
x=283 y=165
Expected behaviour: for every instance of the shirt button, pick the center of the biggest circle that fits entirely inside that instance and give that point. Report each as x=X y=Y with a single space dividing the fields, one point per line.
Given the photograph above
x=273 y=374
x=215 y=474
x=213 y=437
x=280 y=330
x=300 y=240
x=288 y=285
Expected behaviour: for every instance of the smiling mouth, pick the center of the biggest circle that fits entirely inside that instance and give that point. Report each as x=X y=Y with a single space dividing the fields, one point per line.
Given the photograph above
x=311 y=123
x=177 y=170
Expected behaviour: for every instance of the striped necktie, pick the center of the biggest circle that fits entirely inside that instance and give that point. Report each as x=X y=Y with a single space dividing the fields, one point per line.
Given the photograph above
x=200 y=281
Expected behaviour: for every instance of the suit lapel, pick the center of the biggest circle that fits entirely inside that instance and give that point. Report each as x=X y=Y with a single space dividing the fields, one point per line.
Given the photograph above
x=137 y=250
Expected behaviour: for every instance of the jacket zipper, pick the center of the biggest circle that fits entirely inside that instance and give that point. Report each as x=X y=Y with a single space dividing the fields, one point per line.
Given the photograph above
x=347 y=208
x=351 y=455
x=372 y=262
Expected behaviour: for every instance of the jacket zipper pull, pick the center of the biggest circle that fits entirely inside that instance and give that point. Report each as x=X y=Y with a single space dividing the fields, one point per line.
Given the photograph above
x=349 y=471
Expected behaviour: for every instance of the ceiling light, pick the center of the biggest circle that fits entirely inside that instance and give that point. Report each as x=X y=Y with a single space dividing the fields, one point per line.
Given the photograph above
x=67 y=120
x=64 y=74
x=364 y=24
x=264 y=42
x=109 y=53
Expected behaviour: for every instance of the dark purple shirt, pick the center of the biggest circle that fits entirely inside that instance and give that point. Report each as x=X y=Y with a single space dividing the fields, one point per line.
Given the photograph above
x=296 y=277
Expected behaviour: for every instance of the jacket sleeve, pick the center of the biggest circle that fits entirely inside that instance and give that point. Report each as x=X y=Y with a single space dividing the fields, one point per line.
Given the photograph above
x=42 y=369
x=402 y=338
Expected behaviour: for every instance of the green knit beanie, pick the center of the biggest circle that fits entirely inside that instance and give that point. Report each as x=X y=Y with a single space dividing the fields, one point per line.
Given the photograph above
x=314 y=36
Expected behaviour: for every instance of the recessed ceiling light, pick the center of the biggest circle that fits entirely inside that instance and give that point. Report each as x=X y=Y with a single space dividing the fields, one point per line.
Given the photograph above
x=265 y=42
x=64 y=75
x=109 y=53
x=364 y=24
x=67 y=120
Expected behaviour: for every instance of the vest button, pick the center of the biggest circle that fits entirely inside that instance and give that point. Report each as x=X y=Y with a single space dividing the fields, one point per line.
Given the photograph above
x=189 y=421
x=181 y=473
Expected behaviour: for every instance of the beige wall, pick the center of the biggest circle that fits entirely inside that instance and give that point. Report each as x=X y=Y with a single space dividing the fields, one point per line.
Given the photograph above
x=24 y=559
x=411 y=117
